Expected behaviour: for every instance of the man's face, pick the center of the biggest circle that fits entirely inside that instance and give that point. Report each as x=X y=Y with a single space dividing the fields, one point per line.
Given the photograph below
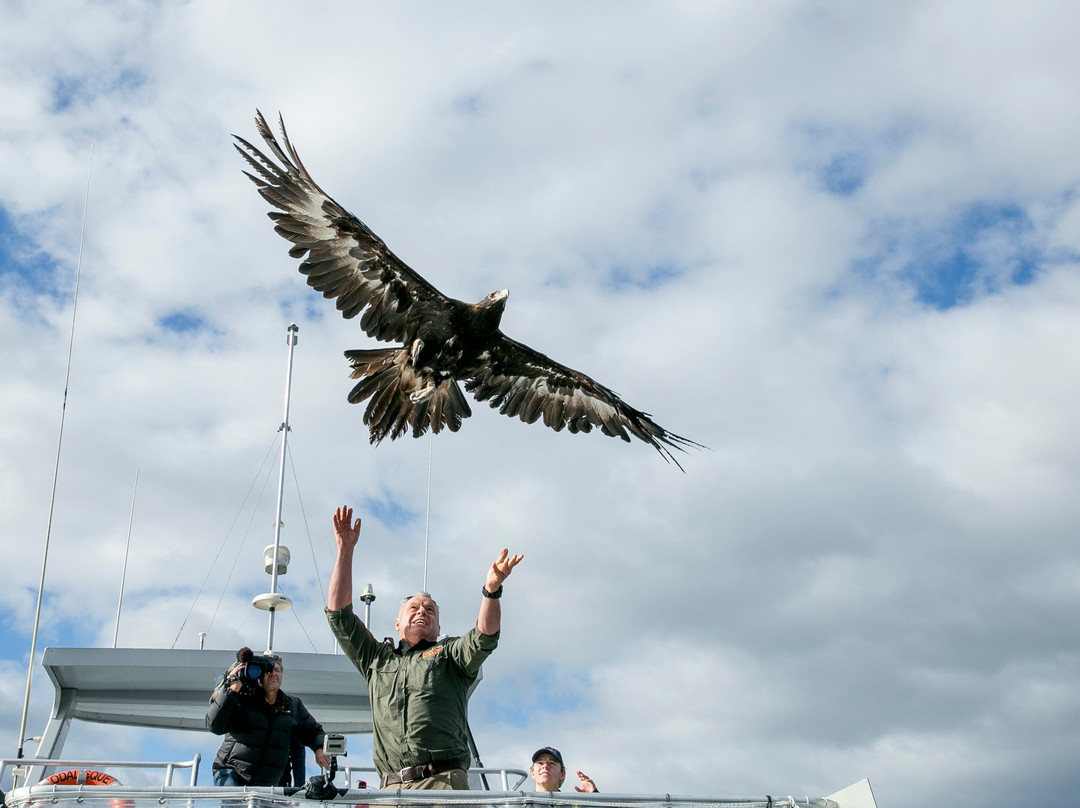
x=271 y=680
x=418 y=620
x=547 y=773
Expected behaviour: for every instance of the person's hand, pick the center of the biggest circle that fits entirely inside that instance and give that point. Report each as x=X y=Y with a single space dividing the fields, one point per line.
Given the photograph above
x=235 y=686
x=322 y=758
x=587 y=785
x=500 y=570
x=346 y=533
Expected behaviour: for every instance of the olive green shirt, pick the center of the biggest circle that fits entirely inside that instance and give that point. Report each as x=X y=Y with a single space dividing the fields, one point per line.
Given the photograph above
x=419 y=694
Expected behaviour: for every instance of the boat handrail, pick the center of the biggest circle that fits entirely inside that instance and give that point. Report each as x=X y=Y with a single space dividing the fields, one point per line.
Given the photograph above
x=117 y=796
x=21 y=766
x=503 y=774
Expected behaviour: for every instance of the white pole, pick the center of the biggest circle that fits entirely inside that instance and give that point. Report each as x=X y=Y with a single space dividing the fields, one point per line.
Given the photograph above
x=56 y=469
x=127 y=549
x=427 y=512
x=291 y=337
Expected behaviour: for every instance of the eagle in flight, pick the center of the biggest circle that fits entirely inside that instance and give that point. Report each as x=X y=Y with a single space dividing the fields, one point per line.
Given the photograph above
x=414 y=386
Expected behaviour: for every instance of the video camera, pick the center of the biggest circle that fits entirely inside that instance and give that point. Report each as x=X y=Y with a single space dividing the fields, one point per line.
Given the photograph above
x=252 y=668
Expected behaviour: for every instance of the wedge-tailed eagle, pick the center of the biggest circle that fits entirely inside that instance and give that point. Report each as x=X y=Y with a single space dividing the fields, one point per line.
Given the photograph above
x=414 y=386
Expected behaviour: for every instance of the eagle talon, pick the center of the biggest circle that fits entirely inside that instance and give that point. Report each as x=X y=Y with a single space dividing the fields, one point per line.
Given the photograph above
x=414 y=352
x=423 y=394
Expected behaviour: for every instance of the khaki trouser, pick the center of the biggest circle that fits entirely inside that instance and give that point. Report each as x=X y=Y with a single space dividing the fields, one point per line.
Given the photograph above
x=453 y=780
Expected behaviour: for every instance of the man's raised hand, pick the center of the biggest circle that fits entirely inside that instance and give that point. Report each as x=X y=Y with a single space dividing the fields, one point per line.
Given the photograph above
x=345 y=531
x=500 y=569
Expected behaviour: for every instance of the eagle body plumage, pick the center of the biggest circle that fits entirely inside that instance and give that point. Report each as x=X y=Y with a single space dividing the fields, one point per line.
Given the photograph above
x=441 y=341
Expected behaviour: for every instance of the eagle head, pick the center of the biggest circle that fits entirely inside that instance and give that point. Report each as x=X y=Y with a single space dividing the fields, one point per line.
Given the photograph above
x=496 y=299
x=489 y=311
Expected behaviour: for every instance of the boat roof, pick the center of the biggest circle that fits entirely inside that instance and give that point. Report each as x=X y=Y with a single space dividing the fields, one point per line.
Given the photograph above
x=170 y=688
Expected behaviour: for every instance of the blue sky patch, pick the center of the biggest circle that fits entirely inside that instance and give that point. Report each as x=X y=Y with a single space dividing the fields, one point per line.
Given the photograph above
x=548 y=690
x=67 y=91
x=844 y=174
x=645 y=279
x=313 y=306
x=22 y=260
x=981 y=250
x=389 y=512
x=946 y=283
x=16 y=643
x=182 y=323
x=55 y=630
x=842 y=160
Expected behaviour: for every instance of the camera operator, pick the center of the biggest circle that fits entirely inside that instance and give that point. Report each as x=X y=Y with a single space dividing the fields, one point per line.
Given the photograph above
x=259 y=722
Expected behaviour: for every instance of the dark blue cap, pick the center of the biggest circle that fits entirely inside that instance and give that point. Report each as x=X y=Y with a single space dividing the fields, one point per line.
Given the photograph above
x=549 y=750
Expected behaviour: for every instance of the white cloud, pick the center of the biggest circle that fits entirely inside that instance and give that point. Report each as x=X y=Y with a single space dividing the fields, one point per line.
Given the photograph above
x=721 y=211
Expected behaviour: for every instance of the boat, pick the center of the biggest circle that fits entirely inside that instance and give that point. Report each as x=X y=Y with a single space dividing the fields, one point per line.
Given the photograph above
x=168 y=689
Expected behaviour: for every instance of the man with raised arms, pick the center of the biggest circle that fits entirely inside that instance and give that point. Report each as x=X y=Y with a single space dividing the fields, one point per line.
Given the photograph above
x=419 y=689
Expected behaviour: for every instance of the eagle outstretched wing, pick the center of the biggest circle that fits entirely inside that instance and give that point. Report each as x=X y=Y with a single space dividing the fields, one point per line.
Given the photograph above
x=344 y=258
x=524 y=383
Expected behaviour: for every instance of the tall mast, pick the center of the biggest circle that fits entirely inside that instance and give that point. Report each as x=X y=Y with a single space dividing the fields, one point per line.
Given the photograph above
x=56 y=468
x=277 y=557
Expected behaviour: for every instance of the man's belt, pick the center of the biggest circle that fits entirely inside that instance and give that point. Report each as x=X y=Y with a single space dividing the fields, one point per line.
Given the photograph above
x=410 y=773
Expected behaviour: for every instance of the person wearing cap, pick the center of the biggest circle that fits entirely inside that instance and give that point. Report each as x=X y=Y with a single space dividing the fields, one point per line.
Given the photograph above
x=548 y=772
x=418 y=690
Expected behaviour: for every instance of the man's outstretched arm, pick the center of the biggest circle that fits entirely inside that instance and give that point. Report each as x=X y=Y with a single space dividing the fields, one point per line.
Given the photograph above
x=490 y=619
x=347 y=534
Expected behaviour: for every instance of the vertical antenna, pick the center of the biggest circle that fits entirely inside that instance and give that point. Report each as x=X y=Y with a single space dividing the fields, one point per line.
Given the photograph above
x=56 y=466
x=427 y=517
x=127 y=548
x=272 y=600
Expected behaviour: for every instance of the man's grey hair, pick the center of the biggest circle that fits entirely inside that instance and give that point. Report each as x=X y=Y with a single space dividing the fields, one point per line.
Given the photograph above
x=420 y=593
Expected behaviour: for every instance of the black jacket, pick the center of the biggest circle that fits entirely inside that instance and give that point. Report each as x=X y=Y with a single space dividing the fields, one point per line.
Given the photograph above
x=257 y=734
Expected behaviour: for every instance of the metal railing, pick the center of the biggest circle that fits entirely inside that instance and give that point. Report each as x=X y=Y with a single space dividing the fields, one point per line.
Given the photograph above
x=477 y=775
x=116 y=796
x=22 y=767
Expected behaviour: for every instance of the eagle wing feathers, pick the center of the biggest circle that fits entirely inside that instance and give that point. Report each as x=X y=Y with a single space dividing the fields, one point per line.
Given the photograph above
x=343 y=258
x=521 y=382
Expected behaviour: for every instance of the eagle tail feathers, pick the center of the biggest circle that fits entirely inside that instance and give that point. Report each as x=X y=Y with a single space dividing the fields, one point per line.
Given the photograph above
x=400 y=399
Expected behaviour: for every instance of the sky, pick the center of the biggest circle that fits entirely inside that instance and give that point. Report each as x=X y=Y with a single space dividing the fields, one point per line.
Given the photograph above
x=837 y=243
